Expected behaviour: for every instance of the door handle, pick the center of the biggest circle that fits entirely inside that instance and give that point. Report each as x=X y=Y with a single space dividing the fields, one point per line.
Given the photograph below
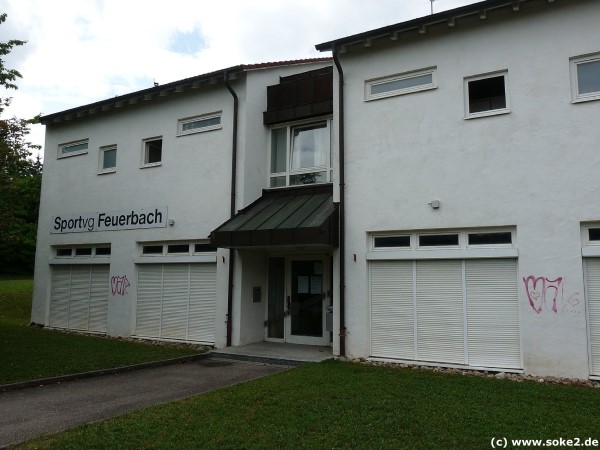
x=289 y=303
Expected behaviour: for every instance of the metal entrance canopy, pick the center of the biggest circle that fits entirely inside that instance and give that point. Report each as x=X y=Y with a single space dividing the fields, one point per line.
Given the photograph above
x=303 y=215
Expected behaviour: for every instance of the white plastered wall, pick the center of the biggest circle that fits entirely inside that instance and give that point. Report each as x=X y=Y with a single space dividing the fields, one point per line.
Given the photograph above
x=535 y=168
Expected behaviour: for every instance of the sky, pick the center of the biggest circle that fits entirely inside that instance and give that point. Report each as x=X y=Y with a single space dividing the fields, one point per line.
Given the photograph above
x=83 y=51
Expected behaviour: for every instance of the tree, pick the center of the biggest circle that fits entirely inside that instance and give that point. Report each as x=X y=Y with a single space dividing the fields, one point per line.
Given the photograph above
x=20 y=179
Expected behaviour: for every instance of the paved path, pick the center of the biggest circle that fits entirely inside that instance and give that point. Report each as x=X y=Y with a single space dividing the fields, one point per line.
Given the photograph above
x=27 y=413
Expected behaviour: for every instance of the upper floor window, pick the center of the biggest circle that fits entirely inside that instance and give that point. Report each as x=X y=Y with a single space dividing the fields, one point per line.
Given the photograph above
x=199 y=124
x=301 y=154
x=486 y=95
x=73 y=148
x=108 y=159
x=404 y=83
x=152 y=152
x=585 y=76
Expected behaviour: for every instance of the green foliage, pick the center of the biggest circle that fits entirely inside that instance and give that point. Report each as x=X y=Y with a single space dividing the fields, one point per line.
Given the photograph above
x=335 y=405
x=20 y=180
x=29 y=353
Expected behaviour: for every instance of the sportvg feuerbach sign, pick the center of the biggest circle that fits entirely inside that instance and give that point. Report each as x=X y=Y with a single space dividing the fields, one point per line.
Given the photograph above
x=110 y=220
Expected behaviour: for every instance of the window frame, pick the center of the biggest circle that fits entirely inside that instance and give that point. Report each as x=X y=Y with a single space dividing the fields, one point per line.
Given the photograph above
x=199 y=118
x=289 y=172
x=145 y=142
x=369 y=96
x=491 y=112
x=574 y=62
x=63 y=146
x=101 y=168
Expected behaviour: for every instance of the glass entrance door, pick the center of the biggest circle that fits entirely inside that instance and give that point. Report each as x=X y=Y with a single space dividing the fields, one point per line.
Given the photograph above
x=297 y=300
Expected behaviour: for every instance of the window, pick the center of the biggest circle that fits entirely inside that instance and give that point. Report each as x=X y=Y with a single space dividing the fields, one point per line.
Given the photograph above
x=73 y=148
x=152 y=152
x=486 y=95
x=178 y=248
x=108 y=159
x=438 y=240
x=199 y=124
x=301 y=154
x=391 y=241
x=89 y=252
x=585 y=76
x=404 y=83
x=504 y=237
x=203 y=248
x=152 y=250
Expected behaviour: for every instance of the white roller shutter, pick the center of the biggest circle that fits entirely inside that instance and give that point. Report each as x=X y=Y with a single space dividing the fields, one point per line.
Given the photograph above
x=392 y=310
x=440 y=324
x=79 y=297
x=203 y=294
x=176 y=295
x=149 y=300
x=592 y=276
x=59 y=297
x=177 y=301
x=493 y=313
x=466 y=311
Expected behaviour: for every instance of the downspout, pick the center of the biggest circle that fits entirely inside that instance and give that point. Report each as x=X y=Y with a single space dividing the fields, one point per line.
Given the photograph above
x=232 y=205
x=336 y=60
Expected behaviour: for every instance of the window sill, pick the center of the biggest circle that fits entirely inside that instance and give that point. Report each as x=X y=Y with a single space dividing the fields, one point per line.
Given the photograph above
x=494 y=112
x=589 y=98
x=147 y=166
x=107 y=171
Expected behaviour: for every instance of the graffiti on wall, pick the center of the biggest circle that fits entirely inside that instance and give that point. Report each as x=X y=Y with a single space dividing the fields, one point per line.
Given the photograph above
x=119 y=285
x=548 y=295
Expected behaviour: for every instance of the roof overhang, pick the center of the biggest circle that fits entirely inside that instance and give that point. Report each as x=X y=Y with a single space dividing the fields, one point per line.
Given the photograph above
x=158 y=92
x=299 y=216
x=420 y=26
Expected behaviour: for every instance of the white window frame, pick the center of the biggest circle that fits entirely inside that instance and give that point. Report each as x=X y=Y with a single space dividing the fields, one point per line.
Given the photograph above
x=462 y=250
x=182 y=122
x=62 y=147
x=574 y=63
x=589 y=247
x=399 y=77
x=179 y=257
x=327 y=168
x=72 y=258
x=491 y=112
x=101 y=168
x=145 y=142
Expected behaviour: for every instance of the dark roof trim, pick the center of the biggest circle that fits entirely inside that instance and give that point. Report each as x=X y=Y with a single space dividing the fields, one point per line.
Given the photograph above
x=164 y=90
x=298 y=216
x=449 y=16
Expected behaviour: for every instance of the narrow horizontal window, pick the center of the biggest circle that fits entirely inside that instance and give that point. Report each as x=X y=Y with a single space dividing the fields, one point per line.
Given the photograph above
x=391 y=241
x=73 y=148
x=152 y=249
x=498 y=238
x=64 y=252
x=103 y=251
x=83 y=251
x=199 y=123
x=178 y=248
x=401 y=84
x=202 y=248
x=594 y=234
x=438 y=240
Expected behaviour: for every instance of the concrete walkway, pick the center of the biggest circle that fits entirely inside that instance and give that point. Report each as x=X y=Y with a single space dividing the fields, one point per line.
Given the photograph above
x=30 y=412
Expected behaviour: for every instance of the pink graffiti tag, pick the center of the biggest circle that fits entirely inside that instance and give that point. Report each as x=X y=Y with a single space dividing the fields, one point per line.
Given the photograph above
x=119 y=285
x=541 y=290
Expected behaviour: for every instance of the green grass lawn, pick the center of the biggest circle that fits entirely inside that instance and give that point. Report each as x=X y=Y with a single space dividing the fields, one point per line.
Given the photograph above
x=28 y=353
x=343 y=405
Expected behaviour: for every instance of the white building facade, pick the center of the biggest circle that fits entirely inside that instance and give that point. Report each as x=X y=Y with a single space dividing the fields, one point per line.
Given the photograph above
x=429 y=196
